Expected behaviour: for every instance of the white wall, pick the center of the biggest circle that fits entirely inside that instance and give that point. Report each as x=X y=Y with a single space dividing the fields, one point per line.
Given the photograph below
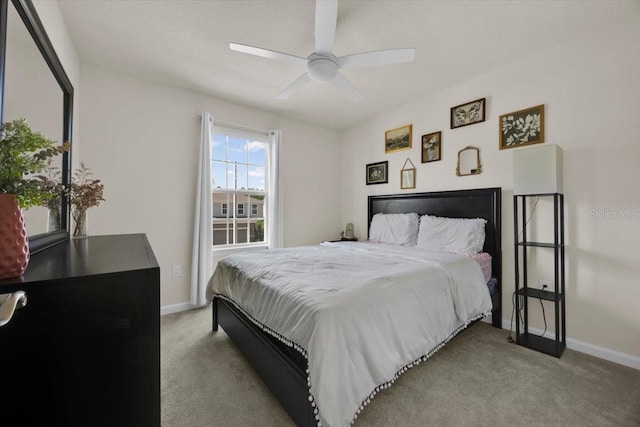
x=591 y=93
x=141 y=139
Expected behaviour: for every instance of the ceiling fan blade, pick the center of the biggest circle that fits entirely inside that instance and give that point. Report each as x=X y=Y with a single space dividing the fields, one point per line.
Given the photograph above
x=376 y=58
x=326 y=16
x=300 y=81
x=267 y=53
x=347 y=88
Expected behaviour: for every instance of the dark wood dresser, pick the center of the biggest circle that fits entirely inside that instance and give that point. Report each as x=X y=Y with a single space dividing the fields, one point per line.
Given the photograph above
x=85 y=350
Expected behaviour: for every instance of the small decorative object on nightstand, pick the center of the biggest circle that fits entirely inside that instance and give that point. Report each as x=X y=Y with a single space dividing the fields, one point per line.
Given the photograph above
x=538 y=173
x=349 y=234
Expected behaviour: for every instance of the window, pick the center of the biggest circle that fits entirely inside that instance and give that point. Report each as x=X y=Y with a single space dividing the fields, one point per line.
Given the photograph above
x=240 y=191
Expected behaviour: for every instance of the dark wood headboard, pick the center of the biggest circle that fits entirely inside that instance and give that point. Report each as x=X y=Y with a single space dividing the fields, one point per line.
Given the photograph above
x=475 y=203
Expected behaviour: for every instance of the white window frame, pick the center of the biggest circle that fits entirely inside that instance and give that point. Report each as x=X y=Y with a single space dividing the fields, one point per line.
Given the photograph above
x=272 y=193
x=224 y=210
x=240 y=209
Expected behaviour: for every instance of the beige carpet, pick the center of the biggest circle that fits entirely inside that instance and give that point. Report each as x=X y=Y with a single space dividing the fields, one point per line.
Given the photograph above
x=478 y=379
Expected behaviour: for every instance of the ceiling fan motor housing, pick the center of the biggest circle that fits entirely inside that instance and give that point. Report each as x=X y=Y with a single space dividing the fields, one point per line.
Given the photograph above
x=322 y=68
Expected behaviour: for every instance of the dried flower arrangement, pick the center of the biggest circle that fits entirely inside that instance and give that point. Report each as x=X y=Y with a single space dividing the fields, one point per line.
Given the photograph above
x=84 y=194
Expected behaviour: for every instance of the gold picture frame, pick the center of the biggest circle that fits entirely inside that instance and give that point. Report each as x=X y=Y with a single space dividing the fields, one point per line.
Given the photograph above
x=522 y=127
x=398 y=139
x=408 y=176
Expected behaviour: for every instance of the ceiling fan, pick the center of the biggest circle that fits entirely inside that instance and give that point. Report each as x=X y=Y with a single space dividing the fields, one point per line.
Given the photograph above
x=322 y=65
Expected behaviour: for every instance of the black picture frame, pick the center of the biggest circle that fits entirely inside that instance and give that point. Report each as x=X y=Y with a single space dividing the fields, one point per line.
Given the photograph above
x=469 y=113
x=377 y=173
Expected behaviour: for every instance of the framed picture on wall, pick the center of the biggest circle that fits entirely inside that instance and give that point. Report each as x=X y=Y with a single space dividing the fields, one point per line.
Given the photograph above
x=432 y=147
x=397 y=139
x=407 y=179
x=408 y=175
x=377 y=173
x=523 y=127
x=468 y=114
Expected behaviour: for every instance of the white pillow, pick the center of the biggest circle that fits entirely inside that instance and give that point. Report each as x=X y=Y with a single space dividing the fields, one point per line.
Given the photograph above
x=459 y=235
x=399 y=229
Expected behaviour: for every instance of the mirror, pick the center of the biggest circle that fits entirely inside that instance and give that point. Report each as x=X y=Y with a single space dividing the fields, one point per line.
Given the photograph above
x=34 y=86
x=468 y=161
x=31 y=92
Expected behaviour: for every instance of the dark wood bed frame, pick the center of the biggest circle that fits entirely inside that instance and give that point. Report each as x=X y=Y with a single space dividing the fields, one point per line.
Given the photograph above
x=282 y=368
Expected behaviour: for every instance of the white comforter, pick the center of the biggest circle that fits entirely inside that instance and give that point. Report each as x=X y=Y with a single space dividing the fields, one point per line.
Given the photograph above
x=362 y=312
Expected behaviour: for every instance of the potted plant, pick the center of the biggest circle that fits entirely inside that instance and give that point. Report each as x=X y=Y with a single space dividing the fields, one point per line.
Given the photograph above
x=23 y=153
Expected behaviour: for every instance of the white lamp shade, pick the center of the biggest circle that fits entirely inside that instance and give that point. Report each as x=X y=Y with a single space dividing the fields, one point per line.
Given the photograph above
x=537 y=170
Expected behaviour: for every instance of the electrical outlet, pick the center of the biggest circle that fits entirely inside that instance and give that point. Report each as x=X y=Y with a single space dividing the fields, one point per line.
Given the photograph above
x=547 y=285
x=176 y=270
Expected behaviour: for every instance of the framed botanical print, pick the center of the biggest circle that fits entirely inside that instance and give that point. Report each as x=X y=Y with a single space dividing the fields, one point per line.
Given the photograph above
x=432 y=147
x=377 y=173
x=468 y=114
x=397 y=139
x=523 y=127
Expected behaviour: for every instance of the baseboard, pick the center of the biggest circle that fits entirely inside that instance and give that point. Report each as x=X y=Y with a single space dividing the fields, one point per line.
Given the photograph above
x=587 y=348
x=175 y=308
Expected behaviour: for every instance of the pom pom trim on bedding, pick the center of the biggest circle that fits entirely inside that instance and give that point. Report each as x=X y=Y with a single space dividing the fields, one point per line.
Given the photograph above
x=383 y=386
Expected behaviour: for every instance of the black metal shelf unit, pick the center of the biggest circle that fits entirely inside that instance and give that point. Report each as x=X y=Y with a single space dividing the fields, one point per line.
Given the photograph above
x=552 y=346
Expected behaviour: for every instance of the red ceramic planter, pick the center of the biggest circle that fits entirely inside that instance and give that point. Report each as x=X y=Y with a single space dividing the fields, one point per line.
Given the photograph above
x=14 y=245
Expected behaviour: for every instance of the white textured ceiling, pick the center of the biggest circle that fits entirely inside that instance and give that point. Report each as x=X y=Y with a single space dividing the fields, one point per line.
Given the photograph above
x=185 y=43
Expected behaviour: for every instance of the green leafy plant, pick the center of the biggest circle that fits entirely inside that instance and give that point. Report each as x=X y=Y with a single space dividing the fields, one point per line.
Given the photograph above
x=24 y=153
x=52 y=184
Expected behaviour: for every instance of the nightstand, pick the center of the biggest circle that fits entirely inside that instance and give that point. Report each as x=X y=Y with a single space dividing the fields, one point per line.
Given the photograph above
x=344 y=239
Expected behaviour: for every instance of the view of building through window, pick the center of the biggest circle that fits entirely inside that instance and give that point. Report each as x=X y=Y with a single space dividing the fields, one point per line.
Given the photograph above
x=238 y=188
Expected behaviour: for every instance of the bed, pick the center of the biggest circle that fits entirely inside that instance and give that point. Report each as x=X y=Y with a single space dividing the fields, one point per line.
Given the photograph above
x=283 y=363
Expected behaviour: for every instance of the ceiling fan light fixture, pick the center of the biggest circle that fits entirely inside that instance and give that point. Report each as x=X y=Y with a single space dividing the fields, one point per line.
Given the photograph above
x=322 y=65
x=322 y=69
